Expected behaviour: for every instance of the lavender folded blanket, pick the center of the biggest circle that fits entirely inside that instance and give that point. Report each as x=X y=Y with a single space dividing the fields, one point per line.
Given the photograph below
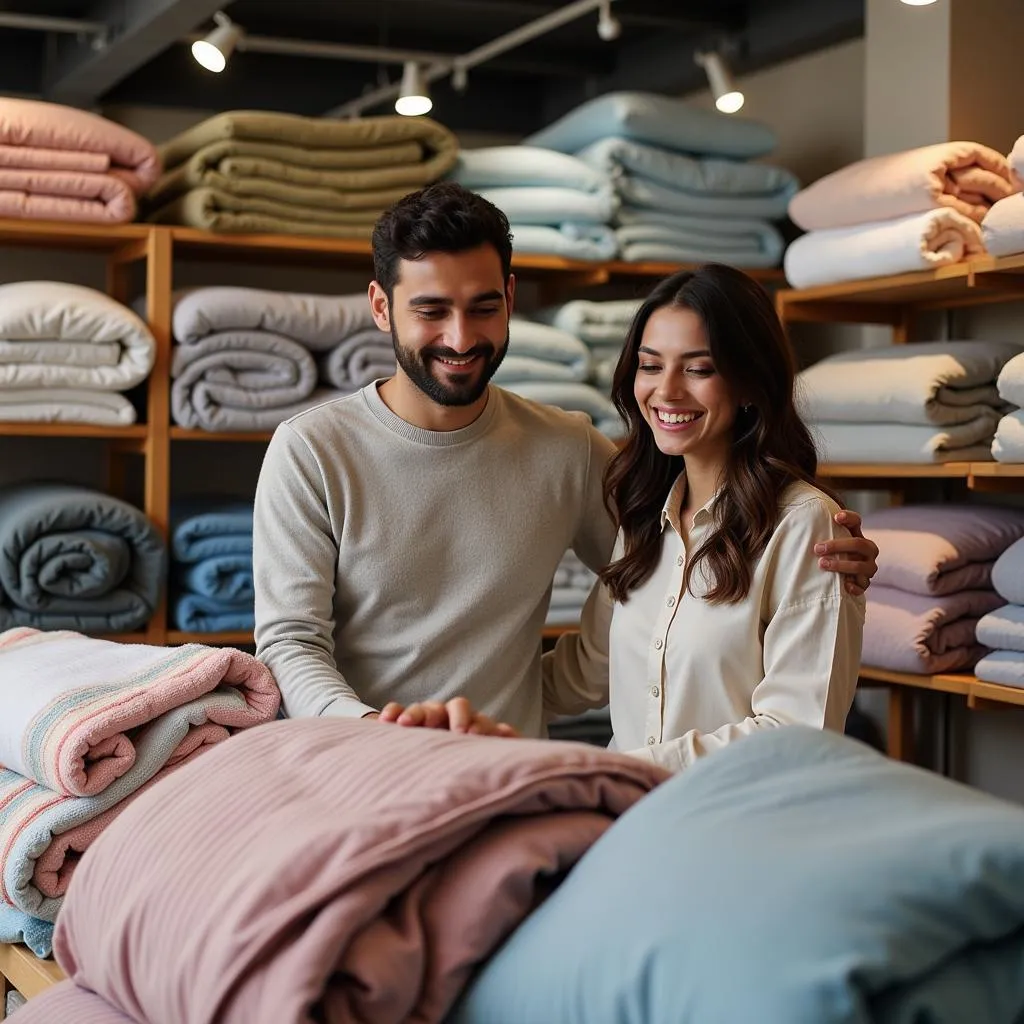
x=940 y=549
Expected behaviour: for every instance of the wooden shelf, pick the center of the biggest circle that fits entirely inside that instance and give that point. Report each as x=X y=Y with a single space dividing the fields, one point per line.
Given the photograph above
x=15 y=429
x=234 y=638
x=946 y=683
x=188 y=434
x=26 y=972
x=983 y=694
x=896 y=470
x=554 y=632
x=68 y=235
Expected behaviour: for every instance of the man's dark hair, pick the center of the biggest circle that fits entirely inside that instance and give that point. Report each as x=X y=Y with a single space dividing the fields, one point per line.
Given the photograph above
x=439 y=218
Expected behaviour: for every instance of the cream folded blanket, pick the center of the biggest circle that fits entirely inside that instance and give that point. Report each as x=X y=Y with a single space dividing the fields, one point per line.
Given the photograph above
x=922 y=241
x=963 y=176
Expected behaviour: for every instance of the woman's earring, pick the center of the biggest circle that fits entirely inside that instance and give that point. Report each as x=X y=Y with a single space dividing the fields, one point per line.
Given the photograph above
x=747 y=407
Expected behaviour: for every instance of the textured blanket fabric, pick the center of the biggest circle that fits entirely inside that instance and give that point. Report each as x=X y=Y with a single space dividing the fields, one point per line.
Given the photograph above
x=364 y=878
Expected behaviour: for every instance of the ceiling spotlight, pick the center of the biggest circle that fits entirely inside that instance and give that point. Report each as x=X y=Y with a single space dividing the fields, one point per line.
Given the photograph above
x=608 y=26
x=460 y=78
x=414 y=98
x=728 y=99
x=213 y=51
x=918 y=3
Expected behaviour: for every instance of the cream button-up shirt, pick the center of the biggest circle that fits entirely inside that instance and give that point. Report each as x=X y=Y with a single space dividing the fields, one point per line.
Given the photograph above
x=684 y=676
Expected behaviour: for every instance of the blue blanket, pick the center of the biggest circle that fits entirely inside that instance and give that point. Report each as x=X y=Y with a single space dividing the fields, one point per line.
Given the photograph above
x=205 y=527
x=795 y=876
x=195 y=613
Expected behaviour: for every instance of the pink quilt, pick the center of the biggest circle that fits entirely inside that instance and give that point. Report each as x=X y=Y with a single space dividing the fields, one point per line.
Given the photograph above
x=327 y=870
x=60 y=163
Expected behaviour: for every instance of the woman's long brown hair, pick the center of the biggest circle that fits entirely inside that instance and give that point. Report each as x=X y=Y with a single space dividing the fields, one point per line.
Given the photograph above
x=771 y=448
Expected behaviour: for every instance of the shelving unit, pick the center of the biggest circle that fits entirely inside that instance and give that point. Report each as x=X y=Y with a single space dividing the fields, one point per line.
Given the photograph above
x=21 y=970
x=895 y=302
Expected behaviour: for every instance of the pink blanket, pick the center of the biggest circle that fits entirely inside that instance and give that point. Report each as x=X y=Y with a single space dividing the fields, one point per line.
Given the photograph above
x=328 y=870
x=965 y=176
x=59 y=163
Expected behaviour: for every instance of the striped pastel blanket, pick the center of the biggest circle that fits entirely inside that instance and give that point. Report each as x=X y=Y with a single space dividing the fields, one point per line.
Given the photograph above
x=85 y=725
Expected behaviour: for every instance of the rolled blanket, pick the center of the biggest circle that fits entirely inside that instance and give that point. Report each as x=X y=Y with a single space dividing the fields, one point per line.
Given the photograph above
x=59 y=335
x=1003 y=629
x=925 y=635
x=209 y=527
x=196 y=613
x=651 y=176
x=1011 y=381
x=922 y=241
x=100 y=722
x=658 y=121
x=596 y=323
x=73 y=558
x=1003 y=667
x=362 y=358
x=904 y=442
x=525 y=166
x=66 y=405
x=1008 y=574
x=962 y=176
x=553 y=206
x=1003 y=227
x=418 y=822
x=574 y=241
x=941 y=383
x=546 y=344
x=574 y=398
x=1008 y=444
x=742 y=242
x=317 y=322
x=941 y=549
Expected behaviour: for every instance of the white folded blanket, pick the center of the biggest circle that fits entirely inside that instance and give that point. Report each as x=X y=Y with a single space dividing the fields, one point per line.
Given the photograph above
x=59 y=335
x=922 y=241
x=1003 y=227
x=1008 y=444
x=1011 y=381
x=517 y=166
x=594 y=322
x=66 y=405
x=553 y=206
x=574 y=398
x=901 y=442
x=940 y=383
x=362 y=358
x=962 y=176
x=570 y=239
x=1017 y=161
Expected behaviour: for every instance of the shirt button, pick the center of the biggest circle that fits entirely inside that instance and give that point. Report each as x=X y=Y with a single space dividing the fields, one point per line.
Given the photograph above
x=650 y=741
x=655 y=691
x=671 y=601
x=679 y=560
x=658 y=644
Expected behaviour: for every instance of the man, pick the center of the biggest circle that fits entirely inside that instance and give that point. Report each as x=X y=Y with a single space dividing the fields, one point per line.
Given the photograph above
x=405 y=537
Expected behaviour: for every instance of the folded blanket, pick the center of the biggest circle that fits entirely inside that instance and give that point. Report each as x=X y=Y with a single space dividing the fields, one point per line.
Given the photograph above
x=538 y=352
x=941 y=549
x=525 y=166
x=1008 y=573
x=362 y=358
x=73 y=558
x=372 y=898
x=1011 y=381
x=912 y=633
x=890 y=895
x=1008 y=444
x=679 y=239
x=105 y=720
x=658 y=121
x=18 y=927
x=574 y=398
x=317 y=322
x=196 y=613
x=59 y=335
x=904 y=442
x=942 y=383
x=922 y=241
x=593 y=322
x=1003 y=629
x=652 y=176
x=553 y=206
x=242 y=380
x=963 y=176
x=66 y=405
x=221 y=577
x=572 y=240
x=1003 y=667
x=204 y=528
x=1016 y=160
x=1003 y=227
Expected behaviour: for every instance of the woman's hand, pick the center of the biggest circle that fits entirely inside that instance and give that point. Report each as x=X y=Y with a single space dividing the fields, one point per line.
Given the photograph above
x=855 y=557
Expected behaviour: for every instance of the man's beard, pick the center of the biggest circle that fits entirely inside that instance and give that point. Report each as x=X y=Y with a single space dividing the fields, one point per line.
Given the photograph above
x=416 y=366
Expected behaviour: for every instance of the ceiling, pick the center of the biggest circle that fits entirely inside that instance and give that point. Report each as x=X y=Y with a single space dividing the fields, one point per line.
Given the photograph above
x=145 y=57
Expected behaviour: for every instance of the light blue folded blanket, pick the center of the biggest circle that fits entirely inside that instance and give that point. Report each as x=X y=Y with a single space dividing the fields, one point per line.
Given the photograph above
x=659 y=121
x=553 y=206
x=595 y=242
x=680 y=239
x=1008 y=573
x=592 y=321
x=1008 y=443
x=1003 y=629
x=17 y=926
x=206 y=527
x=1003 y=667
x=649 y=176
x=195 y=613
x=793 y=877
x=219 y=577
x=575 y=398
x=528 y=339
x=516 y=166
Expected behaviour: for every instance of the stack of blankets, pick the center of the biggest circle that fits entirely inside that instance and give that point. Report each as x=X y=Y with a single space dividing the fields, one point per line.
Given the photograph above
x=247 y=359
x=62 y=164
x=87 y=725
x=1002 y=630
x=687 y=190
x=74 y=558
x=1008 y=445
x=934 y=583
x=569 y=591
x=211 y=566
x=1003 y=226
x=556 y=205
x=897 y=213
x=918 y=403
x=66 y=354
x=601 y=325
x=256 y=171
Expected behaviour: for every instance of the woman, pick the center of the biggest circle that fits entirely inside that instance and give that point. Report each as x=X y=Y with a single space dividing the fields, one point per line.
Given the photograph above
x=713 y=618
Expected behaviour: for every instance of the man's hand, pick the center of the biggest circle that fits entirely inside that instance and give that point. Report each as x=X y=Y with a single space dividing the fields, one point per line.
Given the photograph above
x=854 y=556
x=457 y=715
